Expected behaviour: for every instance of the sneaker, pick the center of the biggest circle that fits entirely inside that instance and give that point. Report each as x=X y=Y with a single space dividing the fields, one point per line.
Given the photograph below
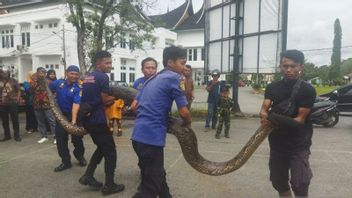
x=30 y=131
x=111 y=189
x=54 y=142
x=44 y=139
x=119 y=133
x=90 y=181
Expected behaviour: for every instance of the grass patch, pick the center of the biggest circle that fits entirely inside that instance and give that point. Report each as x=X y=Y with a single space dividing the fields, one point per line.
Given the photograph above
x=324 y=89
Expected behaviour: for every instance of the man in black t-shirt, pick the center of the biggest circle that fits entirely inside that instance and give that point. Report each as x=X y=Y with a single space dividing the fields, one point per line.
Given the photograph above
x=290 y=147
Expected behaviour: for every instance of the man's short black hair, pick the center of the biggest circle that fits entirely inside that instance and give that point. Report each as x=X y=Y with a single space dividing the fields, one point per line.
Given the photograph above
x=224 y=89
x=294 y=55
x=173 y=53
x=101 y=54
x=188 y=66
x=147 y=60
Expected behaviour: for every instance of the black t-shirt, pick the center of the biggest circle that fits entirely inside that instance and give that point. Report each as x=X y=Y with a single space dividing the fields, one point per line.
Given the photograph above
x=290 y=140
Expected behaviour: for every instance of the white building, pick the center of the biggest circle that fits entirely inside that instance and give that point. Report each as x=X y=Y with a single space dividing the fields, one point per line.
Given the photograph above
x=35 y=33
x=189 y=27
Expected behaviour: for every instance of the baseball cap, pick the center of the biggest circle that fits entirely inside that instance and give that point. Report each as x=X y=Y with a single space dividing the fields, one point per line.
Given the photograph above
x=72 y=68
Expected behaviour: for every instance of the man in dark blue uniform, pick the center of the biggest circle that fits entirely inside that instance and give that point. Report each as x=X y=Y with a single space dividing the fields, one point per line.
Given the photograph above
x=149 y=67
x=94 y=99
x=154 y=103
x=68 y=97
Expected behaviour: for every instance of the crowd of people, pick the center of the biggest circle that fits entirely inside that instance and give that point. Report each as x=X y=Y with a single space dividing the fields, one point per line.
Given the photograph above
x=87 y=103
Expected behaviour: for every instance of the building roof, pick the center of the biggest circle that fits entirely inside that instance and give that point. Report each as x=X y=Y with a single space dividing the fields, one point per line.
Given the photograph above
x=195 y=21
x=181 y=18
x=15 y=3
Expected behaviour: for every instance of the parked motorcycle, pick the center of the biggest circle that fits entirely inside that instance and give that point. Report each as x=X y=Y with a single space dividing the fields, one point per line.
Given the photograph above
x=324 y=112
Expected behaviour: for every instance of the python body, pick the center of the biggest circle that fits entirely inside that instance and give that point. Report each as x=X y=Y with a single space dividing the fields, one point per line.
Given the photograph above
x=185 y=136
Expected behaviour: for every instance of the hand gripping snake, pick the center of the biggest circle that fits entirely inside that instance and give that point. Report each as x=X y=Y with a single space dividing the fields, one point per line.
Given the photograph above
x=185 y=136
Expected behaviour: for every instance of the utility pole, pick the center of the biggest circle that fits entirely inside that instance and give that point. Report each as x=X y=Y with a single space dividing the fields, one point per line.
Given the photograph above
x=64 y=46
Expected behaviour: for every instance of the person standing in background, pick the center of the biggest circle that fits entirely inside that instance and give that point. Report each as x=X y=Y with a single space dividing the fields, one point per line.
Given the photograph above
x=10 y=97
x=213 y=89
x=188 y=82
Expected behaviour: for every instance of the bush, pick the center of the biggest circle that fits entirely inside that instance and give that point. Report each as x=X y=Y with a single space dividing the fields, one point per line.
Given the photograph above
x=256 y=86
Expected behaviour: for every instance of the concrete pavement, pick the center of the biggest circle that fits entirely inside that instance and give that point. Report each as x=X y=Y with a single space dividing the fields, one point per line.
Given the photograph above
x=26 y=168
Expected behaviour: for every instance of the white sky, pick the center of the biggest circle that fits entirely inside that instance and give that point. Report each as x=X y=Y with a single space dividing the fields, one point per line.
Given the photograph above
x=310 y=25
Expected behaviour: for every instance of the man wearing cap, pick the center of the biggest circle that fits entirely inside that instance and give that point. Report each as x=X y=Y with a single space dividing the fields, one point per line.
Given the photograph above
x=68 y=97
x=41 y=105
x=213 y=89
x=10 y=96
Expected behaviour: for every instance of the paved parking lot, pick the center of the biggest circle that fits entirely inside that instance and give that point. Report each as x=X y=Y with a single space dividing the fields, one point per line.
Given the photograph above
x=26 y=168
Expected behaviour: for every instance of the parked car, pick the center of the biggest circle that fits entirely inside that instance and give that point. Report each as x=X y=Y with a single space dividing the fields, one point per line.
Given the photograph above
x=343 y=96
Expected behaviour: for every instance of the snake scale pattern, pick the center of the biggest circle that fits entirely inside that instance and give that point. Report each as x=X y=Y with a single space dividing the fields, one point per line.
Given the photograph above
x=185 y=136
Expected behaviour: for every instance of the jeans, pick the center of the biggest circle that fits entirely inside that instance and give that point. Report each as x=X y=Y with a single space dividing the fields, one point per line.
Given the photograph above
x=12 y=110
x=42 y=116
x=31 y=121
x=212 y=116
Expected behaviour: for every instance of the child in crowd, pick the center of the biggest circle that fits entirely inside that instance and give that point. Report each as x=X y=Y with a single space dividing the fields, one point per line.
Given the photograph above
x=114 y=113
x=224 y=112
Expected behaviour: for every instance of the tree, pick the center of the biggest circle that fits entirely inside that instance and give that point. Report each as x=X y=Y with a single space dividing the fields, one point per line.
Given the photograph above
x=309 y=71
x=104 y=24
x=334 y=73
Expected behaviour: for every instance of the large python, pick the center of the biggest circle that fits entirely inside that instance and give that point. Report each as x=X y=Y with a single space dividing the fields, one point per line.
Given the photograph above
x=185 y=136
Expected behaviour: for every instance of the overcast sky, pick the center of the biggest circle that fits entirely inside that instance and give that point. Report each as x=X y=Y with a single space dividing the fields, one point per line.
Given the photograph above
x=310 y=25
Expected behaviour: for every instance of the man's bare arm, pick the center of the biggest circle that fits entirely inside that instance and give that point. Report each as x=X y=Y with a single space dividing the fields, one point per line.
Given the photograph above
x=264 y=111
x=75 y=108
x=185 y=115
x=107 y=100
x=302 y=114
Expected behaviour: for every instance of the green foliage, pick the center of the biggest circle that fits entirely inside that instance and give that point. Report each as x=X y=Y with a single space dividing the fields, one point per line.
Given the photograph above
x=309 y=71
x=256 y=86
x=346 y=67
x=334 y=73
x=324 y=89
x=104 y=24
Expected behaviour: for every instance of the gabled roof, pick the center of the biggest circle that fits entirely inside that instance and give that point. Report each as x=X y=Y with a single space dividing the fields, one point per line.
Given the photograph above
x=171 y=19
x=195 y=21
x=181 y=18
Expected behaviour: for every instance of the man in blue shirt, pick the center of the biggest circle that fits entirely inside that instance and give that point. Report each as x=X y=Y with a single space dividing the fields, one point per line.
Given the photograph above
x=154 y=103
x=94 y=99
x=68 y=97
x=149 y=67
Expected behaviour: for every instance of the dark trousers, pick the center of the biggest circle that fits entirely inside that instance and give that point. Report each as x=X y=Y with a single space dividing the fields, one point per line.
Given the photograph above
x=106 y=148
x=31 y=120
x=297 y=164
x=224 y=119
x=11 y=110
x=62 y=143
x=151 y=163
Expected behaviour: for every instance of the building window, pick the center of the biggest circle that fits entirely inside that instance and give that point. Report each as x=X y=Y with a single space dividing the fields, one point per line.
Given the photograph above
x=131 y=44
x=36 y=26
x=192 y=54
x=123 y=43
x=56 y=66
x=50 y=25
x=203 y=54
x=26 y=39
x=123 y=67
x=41 y=26
x=132 y=77
x=195 y=54
x=55 y=24
x=123 y=77
x=7 y=38
x=132 y=69
x=123 y=61
x=47 y=66
x=112 y=76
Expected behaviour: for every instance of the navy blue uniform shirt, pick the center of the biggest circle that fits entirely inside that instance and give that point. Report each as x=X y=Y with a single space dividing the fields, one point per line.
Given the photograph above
x=154 y=104
x=94 y=84
x=138 y=84
x=66 y=94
